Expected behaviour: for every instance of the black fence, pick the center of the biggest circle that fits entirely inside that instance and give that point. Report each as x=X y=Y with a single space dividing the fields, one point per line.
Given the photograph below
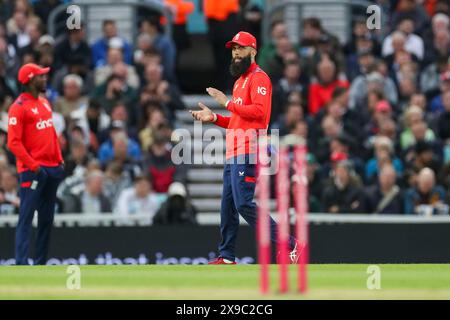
x=330 y=243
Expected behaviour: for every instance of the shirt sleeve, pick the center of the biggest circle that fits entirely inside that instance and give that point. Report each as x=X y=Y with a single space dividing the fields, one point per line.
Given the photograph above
x=260 y=94
x=15 y=133
x=222 y=121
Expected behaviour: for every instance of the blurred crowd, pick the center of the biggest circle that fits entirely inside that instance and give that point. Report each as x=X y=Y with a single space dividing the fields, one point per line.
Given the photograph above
x=114 y=107
x=374 y=110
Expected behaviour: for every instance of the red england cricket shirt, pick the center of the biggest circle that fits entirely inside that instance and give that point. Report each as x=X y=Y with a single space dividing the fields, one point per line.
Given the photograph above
x=31 y=135
x=250 y=110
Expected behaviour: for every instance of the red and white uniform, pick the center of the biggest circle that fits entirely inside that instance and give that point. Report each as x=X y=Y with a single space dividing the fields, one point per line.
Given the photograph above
x=31 y=135
x=250 y=107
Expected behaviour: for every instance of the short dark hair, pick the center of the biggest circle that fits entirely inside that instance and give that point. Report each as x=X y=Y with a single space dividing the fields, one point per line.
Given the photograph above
x=275 y=23
x=108 y=21
x=313 y=22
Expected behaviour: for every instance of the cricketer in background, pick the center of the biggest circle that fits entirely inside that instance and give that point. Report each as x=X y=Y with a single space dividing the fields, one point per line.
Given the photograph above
x=33 y=140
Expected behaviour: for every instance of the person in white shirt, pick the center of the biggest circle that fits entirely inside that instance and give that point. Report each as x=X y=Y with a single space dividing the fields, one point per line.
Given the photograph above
x=412 y=42
x=138 y=200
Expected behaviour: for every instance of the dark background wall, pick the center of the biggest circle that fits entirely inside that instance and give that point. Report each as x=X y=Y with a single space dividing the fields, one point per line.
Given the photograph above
x=330 y=243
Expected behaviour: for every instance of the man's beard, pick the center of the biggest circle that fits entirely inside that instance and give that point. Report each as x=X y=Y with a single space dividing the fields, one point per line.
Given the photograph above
x=239 y=68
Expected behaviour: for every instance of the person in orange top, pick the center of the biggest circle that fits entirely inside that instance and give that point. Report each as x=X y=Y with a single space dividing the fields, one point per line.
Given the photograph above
x=250 y=110
x=222 y=22
x=181 y=10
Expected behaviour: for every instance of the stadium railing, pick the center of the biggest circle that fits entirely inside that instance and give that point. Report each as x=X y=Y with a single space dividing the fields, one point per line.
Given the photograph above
x=90 y=10
x=104 y=220
x=336 y=16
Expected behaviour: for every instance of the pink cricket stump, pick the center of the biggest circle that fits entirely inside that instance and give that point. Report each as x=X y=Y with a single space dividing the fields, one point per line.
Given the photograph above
x=263 y=223
x=301 y=206
x=283 y=197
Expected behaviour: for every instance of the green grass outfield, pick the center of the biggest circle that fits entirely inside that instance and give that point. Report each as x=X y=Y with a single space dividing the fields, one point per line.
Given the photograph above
x=333 y=281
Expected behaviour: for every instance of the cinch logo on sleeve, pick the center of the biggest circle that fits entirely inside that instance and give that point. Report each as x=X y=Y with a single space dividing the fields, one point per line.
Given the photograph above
x=43 y=124
x=262 y=90
x=238 y=101
x=12 y=121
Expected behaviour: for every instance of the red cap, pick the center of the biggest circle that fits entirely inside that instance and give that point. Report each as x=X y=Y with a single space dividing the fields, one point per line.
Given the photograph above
x=29 y=70
x=338 y=156
x=244 y=39
x=445 y=76
x=382 y=106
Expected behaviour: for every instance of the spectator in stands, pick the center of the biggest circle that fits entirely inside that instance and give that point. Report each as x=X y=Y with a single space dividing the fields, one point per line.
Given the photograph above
x=120 y=113
x=8 y=87
x=221 y=18
x=315 y=184
x=288 y=120
x=386 y=197
x=268 y=50
x=427 y=197
x=138 y=199
x=35 y=32
x=414 y=118
x=344 y=195
x=338 y=109
x=177 y=209
x=118 y=177
x=181 y=10
x=23 y=14
x=73 y=45
x=163 y=44
x=312 y=35
x=440 y=48
x=384 y=153
x=321 y=89
x=424 y=154
x=119 y=145
x=403 y=38
x=430 y=78
x=360 y=32
x=76 y=64
x=76 y=162
x=373 y=81
x=411 y=10
x=289 y=83
x=91 y=120
x=443 y=125
x=330 y=128
x=359 y=62
x=155 y=118
x=275 y=63
x=115 y=89
x=380 y=113
x=250 y=19
x=143 y=45
x=91 y=199
x=110 y=37
x=76 y=183
x=115 y=65
x=158 y=164
x=407 y=84
x=160 y=90
x=72 y=98
x=437 y=105
x=42 y=8
x=9 y=195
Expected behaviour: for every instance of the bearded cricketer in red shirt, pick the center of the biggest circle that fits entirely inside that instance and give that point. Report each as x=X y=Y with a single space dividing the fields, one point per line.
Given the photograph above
x=33 y=140
x=250 y=110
